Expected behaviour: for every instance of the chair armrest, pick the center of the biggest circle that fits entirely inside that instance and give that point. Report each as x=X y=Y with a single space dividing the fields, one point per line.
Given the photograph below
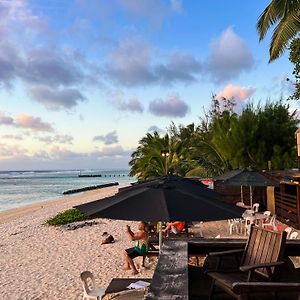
x=228 y=252
x=262 y=265
x=253 y=287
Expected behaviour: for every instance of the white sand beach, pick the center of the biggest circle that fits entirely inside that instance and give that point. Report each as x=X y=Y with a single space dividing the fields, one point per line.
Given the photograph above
x=43 y=262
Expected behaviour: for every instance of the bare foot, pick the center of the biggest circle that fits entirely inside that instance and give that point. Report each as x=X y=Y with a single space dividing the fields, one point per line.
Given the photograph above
x=126 y=268
x=134 y=272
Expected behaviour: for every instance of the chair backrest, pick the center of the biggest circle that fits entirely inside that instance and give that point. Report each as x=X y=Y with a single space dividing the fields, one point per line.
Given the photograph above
x=273 y=220
x=85 y=277
x=263 y=246
x=288 y=230
x=293 y=235
x=267 y=213
x=255 y=207
x=249 y=220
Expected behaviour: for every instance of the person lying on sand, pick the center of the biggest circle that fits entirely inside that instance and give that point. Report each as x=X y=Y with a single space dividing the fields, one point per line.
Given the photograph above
x=141 y=238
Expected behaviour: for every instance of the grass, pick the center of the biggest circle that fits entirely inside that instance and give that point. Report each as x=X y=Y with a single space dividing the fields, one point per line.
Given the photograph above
x=66 y=217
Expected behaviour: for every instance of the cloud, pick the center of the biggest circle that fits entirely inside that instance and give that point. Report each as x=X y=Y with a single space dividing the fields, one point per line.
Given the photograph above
x=30 y=54
x=7 y=151
x=129 y=63
x=115 y=151
x=56 y=99
x=24 y=120
x=6 y=72
x=181 y=67
x=229 y=57
x=155 y=128
x=133 y=104
x=112 y=151
x=5 y=120
x=108 y=139
x=60 y=139
x=45 y=66
x=173 y=106
x=12 y=137
x=132 y=64
x=176 y=6
x=154 y=10
x=236 y=92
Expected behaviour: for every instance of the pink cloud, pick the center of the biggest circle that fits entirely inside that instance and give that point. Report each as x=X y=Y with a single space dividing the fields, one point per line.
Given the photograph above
x=34 y=123
x=11 y=150
x=236 y=92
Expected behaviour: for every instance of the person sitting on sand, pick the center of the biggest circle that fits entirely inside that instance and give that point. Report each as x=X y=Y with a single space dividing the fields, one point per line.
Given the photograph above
x=175 y=227
x=141 y=238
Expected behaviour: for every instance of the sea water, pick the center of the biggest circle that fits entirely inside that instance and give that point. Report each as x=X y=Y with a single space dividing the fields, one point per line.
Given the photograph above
x=18 y=188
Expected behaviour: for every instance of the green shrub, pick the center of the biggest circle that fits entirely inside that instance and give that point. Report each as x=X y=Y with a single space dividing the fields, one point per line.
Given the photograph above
x=68 y=216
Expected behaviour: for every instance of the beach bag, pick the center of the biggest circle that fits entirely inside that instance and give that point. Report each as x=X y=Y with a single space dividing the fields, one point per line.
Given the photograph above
x=107 y=238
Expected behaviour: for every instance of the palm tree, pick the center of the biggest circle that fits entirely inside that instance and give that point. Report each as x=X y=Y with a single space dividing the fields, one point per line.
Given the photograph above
x=146 y=161
x=284 y=15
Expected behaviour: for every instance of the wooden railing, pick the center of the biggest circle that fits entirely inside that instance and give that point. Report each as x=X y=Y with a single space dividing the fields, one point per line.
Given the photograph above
x=286 y=208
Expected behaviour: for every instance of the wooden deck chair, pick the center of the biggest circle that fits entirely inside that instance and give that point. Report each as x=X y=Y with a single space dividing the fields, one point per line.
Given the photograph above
x=263 y=252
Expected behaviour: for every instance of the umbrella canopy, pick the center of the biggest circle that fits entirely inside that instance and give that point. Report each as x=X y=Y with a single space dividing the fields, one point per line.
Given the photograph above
x=246 y=177
x=166 y=198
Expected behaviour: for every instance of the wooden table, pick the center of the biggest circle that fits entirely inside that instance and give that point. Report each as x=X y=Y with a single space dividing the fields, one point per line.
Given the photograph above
x=120 y=284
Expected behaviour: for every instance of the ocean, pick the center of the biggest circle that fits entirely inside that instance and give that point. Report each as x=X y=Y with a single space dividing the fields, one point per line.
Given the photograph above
x=19 y=188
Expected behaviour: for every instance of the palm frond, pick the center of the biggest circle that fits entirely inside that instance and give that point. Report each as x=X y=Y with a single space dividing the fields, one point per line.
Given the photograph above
x=282 y=35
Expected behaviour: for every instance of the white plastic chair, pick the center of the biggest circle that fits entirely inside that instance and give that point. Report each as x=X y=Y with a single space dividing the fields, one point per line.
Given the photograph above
x=272 y=223
x=249 y=220
x=268 y=214
x=288 y=230
x=234 y=225
x=255 y=207
x=293 y=235
x=90 y=293
x=198 y=225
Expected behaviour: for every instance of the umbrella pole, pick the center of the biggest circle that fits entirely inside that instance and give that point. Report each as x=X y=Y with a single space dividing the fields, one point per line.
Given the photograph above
x=251 y=195
x=159 y=224
x=242 y=198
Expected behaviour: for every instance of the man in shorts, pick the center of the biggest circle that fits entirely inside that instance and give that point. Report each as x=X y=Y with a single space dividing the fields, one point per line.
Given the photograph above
x=141 y=238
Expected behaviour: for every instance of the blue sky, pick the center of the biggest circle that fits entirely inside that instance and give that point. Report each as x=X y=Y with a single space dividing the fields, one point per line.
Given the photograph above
x=82 y=81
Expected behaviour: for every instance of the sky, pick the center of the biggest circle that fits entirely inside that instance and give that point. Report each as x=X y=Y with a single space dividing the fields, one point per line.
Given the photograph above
x=82 y=81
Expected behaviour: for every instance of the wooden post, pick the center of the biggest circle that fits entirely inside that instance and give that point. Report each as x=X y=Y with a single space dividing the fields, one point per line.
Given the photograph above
x=298 y=207
x=271 y=199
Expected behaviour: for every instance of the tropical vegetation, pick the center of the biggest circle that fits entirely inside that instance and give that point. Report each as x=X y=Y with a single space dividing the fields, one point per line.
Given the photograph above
x=66 y=217
x=260 y=136
x=284 y=15
x=295 y=59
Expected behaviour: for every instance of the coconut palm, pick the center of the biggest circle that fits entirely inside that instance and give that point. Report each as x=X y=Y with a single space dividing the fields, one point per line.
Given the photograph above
x=146 y=161
x=284 y=15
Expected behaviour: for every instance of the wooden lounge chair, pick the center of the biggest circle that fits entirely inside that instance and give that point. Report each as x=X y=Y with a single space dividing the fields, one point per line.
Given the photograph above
x=263 y=252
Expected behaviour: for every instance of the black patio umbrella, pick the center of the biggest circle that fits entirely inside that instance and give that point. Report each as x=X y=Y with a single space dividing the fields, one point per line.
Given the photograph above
x=166 y=198
x=246 y=177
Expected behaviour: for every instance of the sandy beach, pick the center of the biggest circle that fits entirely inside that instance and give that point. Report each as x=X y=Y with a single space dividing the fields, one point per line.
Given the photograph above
x=43 y=262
